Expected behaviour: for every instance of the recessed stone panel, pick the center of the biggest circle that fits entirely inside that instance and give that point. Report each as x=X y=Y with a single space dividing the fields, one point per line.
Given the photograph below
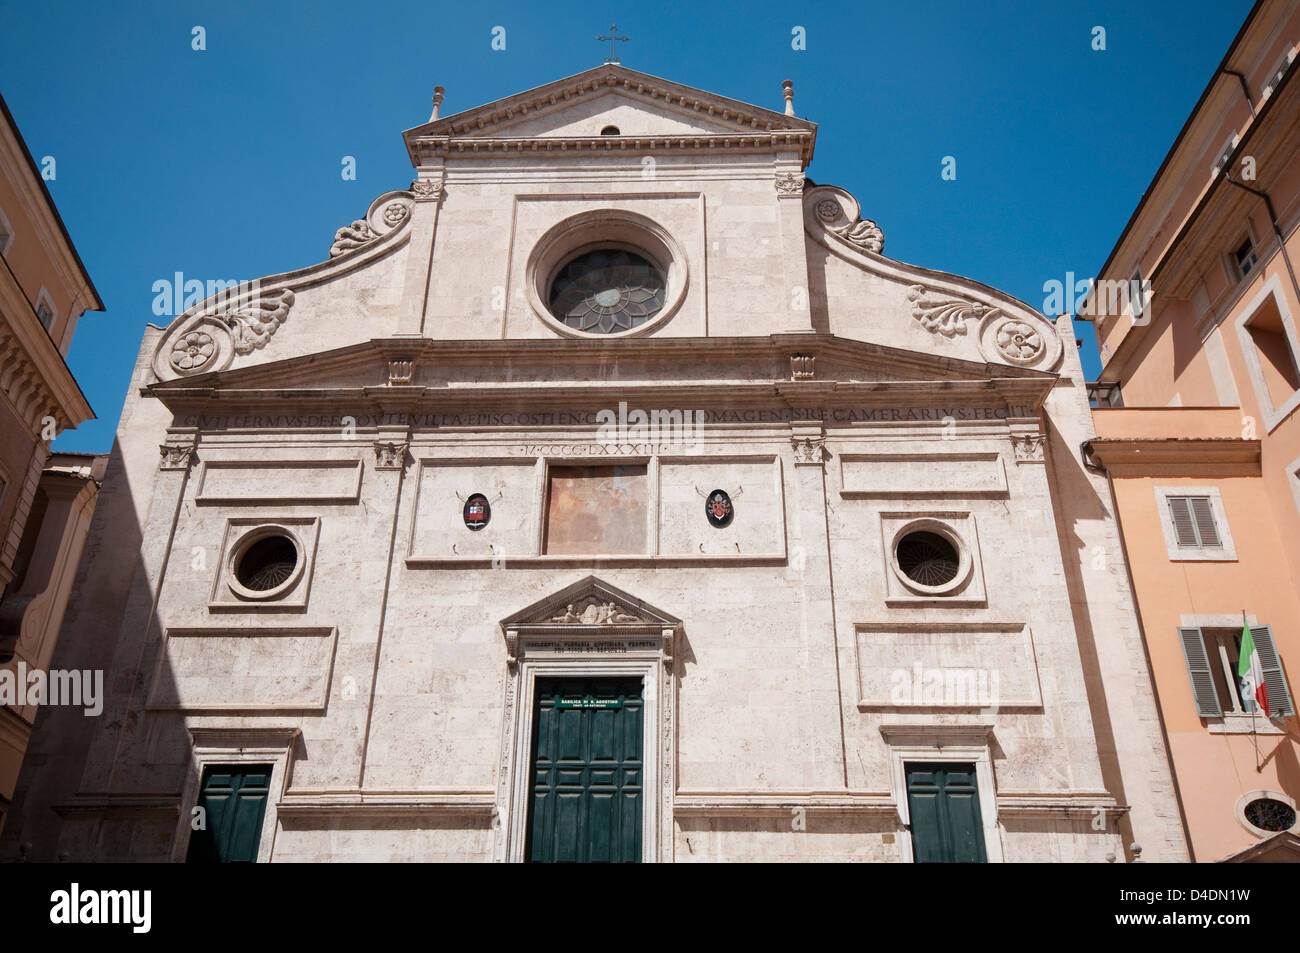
x=250 y=669
x=922 y=475
x=288 y=481
x=957 y=666
x=757 y=523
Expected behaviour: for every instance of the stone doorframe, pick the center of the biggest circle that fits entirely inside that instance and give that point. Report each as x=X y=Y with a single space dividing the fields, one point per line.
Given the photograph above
x=237 y=746
x=588 y=629
x=967 y=744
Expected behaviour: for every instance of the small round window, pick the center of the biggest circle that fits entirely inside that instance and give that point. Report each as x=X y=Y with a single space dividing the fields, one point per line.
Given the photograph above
x=928 y=559
x=607 y=291
x=1269 y=814
x=609 y=131
x=267 y=563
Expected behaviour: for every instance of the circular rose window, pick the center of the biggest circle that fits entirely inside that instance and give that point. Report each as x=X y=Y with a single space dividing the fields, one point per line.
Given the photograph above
x=265 y=564
x=607 y=291
x=928 y=558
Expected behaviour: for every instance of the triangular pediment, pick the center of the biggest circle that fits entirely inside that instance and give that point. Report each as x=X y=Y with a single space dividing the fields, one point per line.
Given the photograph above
x=590 y=601
x=638 y=105
x=1280 y=848
x=438 y=370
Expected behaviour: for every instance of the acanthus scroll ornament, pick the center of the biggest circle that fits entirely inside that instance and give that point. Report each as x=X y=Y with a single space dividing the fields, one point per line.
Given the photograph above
x=352 y=236
x=864 y=233
x=390 y=455
x=1028 y=447
x=946 y=316
x=426 y=190
x=789 y=184
x=808 y=450
x=252 y=322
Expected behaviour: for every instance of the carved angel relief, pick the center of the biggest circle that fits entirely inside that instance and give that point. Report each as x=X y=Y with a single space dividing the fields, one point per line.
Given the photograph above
x=597 y=613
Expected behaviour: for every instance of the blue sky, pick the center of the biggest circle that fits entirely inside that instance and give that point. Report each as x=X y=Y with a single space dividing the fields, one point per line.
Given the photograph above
x=225 y=163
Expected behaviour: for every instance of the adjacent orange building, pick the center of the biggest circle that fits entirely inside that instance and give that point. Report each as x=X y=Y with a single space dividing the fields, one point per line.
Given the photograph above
x=46 y=500
x=1196 y=312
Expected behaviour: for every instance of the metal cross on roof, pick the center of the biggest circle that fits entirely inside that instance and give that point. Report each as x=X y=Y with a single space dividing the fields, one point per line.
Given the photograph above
x=613 y=29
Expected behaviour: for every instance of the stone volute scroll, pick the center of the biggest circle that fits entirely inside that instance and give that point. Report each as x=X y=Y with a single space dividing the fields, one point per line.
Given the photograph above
x=237 y=319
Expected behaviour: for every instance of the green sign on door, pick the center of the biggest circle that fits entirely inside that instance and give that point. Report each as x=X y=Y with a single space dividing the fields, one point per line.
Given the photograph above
x=586 y=792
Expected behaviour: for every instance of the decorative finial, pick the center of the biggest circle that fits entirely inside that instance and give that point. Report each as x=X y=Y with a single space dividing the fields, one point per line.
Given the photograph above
x=787 y=88
x=437 y=101
x=613 y=29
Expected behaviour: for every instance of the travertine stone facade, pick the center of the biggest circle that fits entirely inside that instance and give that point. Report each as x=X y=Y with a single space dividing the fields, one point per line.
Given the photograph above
x=842 y=400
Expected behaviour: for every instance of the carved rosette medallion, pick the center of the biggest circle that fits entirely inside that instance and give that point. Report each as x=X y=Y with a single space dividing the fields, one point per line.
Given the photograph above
x=1018 y=342
x=192 y=351
x=394 y=213
x=828 y=210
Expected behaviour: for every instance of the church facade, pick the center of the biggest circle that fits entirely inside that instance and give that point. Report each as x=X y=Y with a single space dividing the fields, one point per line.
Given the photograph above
x=607 y=494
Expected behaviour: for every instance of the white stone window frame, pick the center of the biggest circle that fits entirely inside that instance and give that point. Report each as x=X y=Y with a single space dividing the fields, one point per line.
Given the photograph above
x=237 y=746
x=656 y=816
x=1235 y=275
x=1226 y=553
x=1272 y=415
x=7 y=235
x=959 y=527
x=1239 y=809
x=606 y=228
x=241 y=532
x=43 y=298
x=1231 y=722
x=960 y=744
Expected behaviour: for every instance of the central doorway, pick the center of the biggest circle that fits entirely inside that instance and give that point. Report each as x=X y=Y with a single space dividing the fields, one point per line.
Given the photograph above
x=586 y=793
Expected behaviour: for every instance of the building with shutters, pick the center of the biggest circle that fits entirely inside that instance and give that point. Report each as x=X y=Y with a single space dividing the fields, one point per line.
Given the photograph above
x=607 y=494
x=45 y=499
x=1197 y=431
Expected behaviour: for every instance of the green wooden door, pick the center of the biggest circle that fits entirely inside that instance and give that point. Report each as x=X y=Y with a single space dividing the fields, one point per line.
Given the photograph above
x=943 y=801
x=233 y=799
x=587 y=774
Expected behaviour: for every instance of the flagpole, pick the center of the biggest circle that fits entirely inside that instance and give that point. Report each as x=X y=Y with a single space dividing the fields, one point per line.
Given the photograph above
x=1254 y=702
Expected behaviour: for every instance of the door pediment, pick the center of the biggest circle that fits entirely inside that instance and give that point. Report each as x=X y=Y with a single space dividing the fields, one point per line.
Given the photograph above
x=590 y=610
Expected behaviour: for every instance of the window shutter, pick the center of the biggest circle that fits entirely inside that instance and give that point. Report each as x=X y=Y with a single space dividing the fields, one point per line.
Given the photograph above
x=1204 y=517
x=1184 y=528
x=1279 y=694
x=1198 y=670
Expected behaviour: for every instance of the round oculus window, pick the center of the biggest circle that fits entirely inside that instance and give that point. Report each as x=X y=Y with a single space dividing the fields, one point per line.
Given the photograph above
x=607 y=291
x=928 y=558
x=1269 y=814
x=267 y=563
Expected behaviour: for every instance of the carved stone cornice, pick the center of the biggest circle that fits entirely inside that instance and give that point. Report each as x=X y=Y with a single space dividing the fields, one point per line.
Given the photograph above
x=400 y=371
x=487 y=129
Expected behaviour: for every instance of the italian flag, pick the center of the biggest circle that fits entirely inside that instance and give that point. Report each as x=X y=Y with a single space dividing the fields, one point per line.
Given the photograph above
x=1250 y=672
